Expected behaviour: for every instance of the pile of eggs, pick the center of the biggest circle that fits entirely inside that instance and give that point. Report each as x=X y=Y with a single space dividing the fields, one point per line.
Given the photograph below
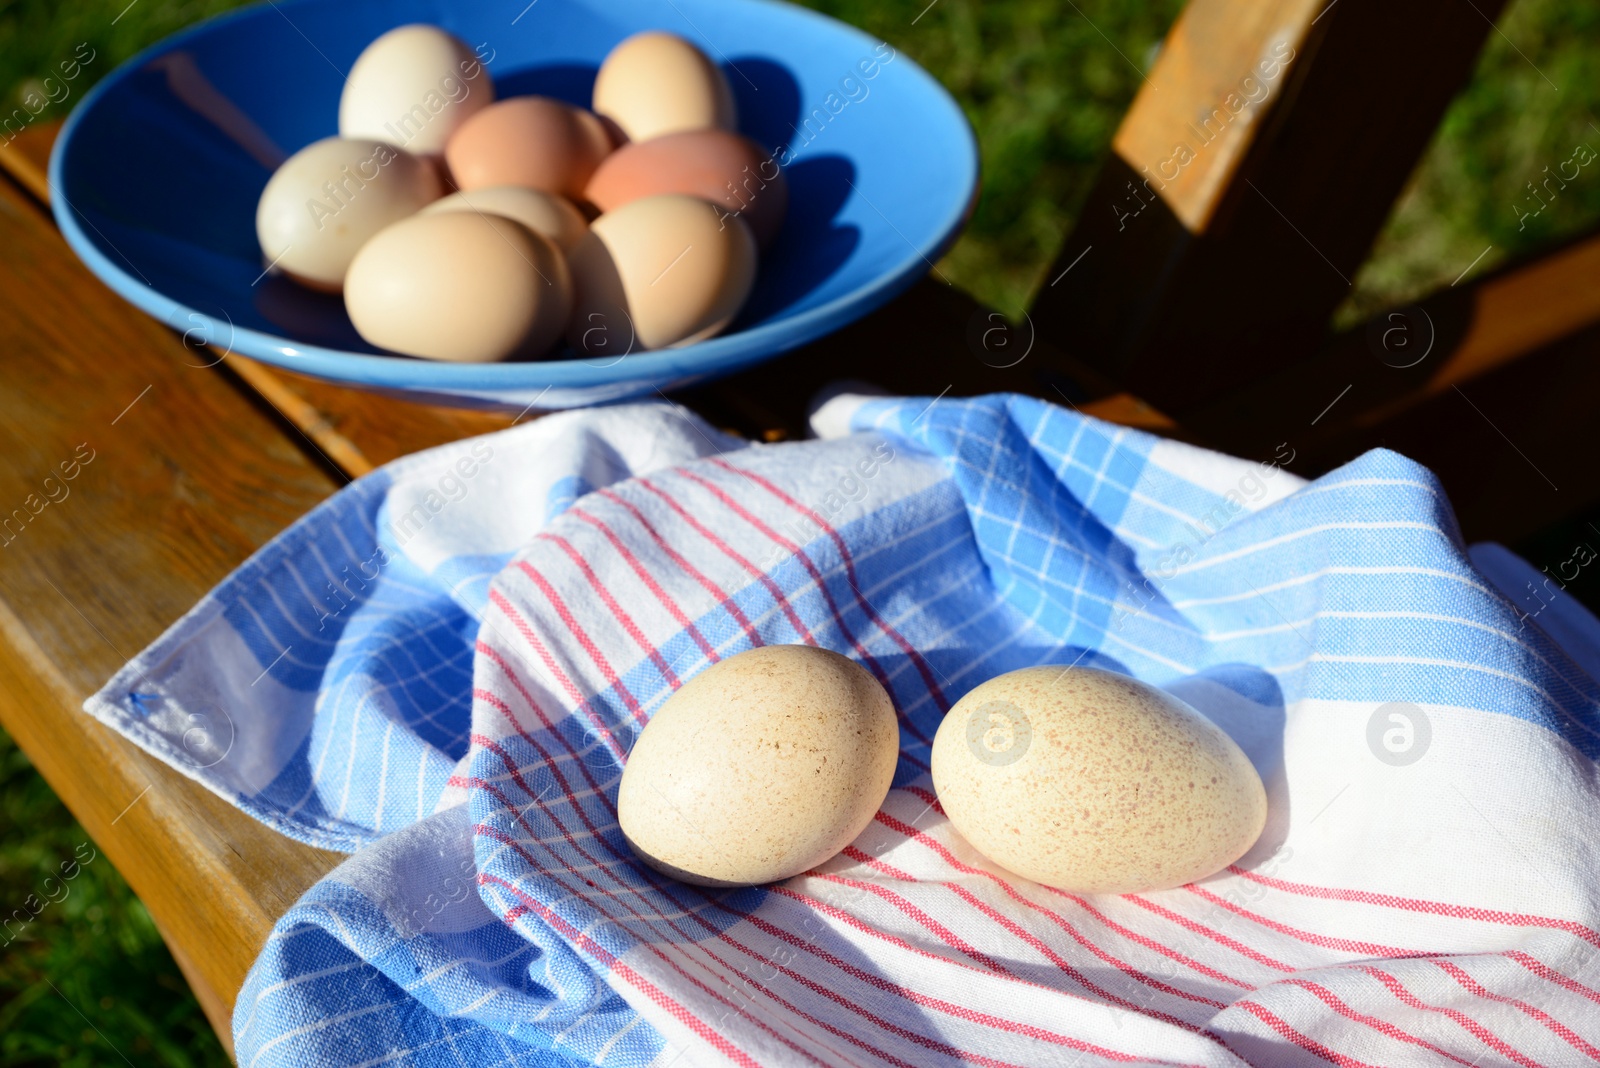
x=769 y=763
x=467 y=229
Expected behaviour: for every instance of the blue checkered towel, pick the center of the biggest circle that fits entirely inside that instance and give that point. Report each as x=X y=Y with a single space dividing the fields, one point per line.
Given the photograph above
x=442 y=669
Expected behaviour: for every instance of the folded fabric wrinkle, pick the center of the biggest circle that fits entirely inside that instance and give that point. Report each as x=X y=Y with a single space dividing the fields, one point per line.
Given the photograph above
x=442 y=668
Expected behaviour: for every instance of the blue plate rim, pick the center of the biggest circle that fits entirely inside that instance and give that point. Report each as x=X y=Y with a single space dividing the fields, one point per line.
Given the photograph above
x=659 y=367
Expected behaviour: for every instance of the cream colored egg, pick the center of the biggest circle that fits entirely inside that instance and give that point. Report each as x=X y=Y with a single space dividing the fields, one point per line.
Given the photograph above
x=552 y=216
x=330 y=197
x=660 y=271
x=1094 y=782
x=761 y=767
x=657 y=83
x=461 y=287
x=413 y=87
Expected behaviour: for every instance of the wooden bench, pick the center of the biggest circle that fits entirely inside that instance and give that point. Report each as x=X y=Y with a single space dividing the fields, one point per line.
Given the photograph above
x=1213 y=303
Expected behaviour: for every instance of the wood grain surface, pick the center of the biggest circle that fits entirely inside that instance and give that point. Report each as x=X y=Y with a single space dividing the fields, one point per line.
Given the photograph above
x=27 y=157
x=184 y=478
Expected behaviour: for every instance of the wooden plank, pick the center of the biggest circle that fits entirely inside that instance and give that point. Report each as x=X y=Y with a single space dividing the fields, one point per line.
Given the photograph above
x=1491 y=384
x=1128 y=410
x=1514 y=447
x=933 y=340
x=1406 y=356
x=1521 y=310
x=351 y=430
x=380 y=428
x=178 y=478
x=27 y=157
x=1206 y=58
x=1227 y=265
x=219 y=1014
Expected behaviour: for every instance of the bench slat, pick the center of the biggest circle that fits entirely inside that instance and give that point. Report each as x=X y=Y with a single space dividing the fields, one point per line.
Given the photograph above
x=1518 y=344
x=187 y=478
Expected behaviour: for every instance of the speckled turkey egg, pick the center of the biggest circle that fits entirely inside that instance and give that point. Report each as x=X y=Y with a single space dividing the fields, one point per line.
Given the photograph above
x=759 y=768
x=1094 y=782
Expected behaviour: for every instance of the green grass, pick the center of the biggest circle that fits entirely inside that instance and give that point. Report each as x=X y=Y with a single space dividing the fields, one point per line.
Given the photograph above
x=1044 y=90
x=1534 y=98
x=86 y=981
x=1044 y=84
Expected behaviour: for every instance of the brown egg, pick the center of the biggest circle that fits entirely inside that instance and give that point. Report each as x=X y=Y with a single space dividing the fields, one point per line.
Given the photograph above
x=724 y=168
x=659 y=271
x=529 y=141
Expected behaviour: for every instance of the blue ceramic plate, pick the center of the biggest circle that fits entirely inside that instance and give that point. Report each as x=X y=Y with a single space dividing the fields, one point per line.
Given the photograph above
x=156 y=175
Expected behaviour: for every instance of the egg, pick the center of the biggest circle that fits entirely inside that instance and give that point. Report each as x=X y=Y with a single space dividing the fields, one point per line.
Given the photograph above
x=530 y=141
x=759 y=768
x=657 y=83
x=327 y=199
x=659 y=271
x=715 y=165
x=459 y=286
x=552 y=216
x=413 y=87
x=1094 y=782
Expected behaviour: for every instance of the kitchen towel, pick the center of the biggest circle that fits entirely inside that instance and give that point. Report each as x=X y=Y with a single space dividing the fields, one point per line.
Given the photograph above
x=443 y=667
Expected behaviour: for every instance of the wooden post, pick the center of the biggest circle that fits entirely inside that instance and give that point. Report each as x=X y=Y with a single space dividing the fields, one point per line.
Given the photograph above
x=1246 y=185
